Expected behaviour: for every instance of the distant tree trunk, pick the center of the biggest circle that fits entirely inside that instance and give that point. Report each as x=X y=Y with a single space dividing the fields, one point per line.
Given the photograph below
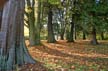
x=63 y=27
x=94 y=40
x=34 y=27
x=102 y=35
x=38 y=23
x=84 y=35
x=71 y=35
x=12 y=48
x=31 y=22
x=32 y=33
x=62 y=34
x=75 y=35
x=51 y=38
x=75 y=32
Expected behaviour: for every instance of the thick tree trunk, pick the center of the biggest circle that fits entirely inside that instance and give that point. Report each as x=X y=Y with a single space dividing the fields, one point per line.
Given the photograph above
x=12 y=49
x=51 y=38
x=71 y=35
x=94 y=40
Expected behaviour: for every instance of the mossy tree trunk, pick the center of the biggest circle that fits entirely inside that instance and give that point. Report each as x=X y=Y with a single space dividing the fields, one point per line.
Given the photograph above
x=34 y=26
x=31 y=22
x=38 y=23
x=12 y=47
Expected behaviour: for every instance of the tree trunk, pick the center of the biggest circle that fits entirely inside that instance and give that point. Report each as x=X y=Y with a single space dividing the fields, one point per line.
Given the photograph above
x=12 y=49
x=51 y=38
x=71 y=35
x=32 y=33
x=34 y=27
x=75 y=32
x=1 y=17
x=94 y=40
x=84 y=35
x=38 y=23
x=62 y=35
x=31 y=22
x=102 y=35
x=62 y=25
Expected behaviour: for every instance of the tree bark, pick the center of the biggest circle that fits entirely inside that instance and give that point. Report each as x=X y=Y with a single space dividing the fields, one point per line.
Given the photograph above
x=84 y=35
x=51 y=38
x=102 y=35
x=12 y=49
x=38 y=23
x=94 y=40
x=75 y=32
x=0 y=18
x=34 y=26
x=62 y=34
x=71 y=35
x=31 y=22
x=32 y=33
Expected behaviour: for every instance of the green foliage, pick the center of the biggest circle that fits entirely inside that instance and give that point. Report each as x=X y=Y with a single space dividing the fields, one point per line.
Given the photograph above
x=84 y=13
x=54 y=2
x=93 y=13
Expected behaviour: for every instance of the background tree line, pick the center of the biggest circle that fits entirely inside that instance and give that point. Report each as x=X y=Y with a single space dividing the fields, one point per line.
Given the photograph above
x=67 y=19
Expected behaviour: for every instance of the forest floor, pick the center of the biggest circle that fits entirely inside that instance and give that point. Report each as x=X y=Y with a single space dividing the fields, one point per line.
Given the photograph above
x=63 y=56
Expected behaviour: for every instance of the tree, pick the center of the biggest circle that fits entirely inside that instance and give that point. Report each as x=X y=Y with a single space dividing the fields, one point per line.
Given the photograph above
x=50 y=6
x=0 y=18
x=38 y=23
x=94 y=40
x=1 y=9
x=84 y=35
x=51 y=38
x=12 y=49
x=97 y=11
x=72 y=14
x=34 y=34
